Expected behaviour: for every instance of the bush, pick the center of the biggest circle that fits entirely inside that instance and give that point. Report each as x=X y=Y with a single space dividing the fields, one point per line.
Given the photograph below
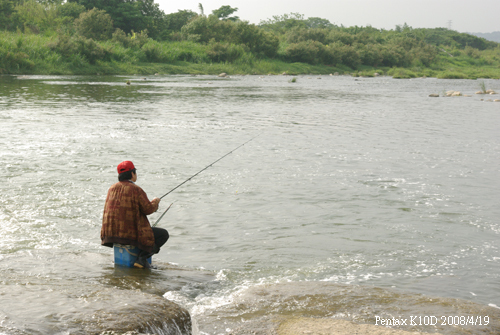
x=82 y=46
x=153 y=52
x=205 y=29
x=33 y=17
x=451 y=75
x=340 y=36
x=94 y=24
x=297 y=35
x=370 y=55
x=304 y=52
x=224 y=52
x=12 y=61
x=399 y=73
x=257 y=40
x=133 y=40
x=349 y=56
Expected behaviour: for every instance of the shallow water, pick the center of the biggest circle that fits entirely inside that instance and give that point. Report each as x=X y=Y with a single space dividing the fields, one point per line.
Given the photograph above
x=351 y=181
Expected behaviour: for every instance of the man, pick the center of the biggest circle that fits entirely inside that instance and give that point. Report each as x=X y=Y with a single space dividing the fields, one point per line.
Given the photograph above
x=125 y=217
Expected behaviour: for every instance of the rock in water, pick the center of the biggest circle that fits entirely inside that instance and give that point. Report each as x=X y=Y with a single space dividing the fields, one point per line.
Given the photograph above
x=146 y=314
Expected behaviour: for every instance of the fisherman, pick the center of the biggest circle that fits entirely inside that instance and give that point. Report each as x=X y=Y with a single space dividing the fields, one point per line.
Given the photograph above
x=125 y=217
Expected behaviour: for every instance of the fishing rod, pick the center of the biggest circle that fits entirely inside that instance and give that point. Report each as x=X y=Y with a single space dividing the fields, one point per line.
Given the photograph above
x=163 y=214
x=206 y=167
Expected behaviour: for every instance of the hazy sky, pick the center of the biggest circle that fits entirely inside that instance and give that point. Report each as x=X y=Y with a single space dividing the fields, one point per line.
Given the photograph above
x=464 y=16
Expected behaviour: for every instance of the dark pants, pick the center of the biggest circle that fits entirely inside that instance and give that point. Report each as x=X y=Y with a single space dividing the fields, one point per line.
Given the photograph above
x=161 y=237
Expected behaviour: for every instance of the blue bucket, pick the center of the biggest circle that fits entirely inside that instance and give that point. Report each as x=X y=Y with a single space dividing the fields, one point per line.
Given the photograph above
x=126 y=255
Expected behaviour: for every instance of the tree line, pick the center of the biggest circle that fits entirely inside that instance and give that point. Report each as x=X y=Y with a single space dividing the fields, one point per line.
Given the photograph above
x=84 y=27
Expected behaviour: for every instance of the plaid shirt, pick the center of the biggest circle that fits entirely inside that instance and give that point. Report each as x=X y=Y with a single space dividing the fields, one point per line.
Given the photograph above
x=124 y=220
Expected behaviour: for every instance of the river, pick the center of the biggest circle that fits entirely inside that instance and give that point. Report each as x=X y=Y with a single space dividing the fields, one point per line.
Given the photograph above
x=356 y=181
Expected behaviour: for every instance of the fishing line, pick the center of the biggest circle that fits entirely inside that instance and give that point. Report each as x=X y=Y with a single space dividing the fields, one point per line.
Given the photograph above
x=197 y=173
x=206 y=167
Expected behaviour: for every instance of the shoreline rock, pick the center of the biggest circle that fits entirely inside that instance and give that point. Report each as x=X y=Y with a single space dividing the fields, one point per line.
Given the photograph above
x=328 y=308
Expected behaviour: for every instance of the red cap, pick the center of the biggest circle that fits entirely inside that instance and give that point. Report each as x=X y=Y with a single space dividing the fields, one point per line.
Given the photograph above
x=125 y=166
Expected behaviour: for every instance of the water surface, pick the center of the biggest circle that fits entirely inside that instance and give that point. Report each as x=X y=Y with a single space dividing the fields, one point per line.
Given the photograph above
x=363 y=181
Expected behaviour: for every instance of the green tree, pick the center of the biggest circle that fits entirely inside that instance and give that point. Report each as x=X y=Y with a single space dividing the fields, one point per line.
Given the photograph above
x=154 y=20
x=316 y=22
x=70 y=9
x=298 y=34
x=282 y=23
x=175 y=21
x=32 y=16
x=224 y=12
x=129 y=15
x=95 y=24
x=6 y=11
x=204 y=29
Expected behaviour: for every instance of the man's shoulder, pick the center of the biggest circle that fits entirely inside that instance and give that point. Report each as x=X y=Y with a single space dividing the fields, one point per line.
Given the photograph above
x=126 y=185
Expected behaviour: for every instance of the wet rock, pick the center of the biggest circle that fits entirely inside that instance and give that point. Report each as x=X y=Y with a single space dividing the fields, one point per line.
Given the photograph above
x=479 y=92
x=329 y=308
x=134 y=311
x=434 y=95
x=84 y=293
x=453 y=94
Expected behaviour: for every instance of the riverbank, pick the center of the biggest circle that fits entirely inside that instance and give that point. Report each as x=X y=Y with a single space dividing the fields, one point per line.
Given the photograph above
x=262 y=67
x=28 y=54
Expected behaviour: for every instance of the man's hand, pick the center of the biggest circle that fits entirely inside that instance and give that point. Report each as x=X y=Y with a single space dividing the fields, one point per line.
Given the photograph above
x=156 y=201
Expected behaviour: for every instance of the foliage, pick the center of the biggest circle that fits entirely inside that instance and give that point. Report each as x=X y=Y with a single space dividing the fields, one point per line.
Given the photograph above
x=224 y=12
x=132 y=15
x=224 y=52
x=204 y=29
x=70 y=9
x=317 y=22
x=79 y=45
x=282 y=23
x=6 y=14
x=14 y=60
x=175 y=21
x=132 y=40
x=31 y=16
x=95 y=24
x=312 y=52
x=136 y=31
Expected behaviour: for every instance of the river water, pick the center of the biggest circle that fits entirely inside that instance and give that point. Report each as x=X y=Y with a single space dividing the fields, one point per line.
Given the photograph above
x=356 y=181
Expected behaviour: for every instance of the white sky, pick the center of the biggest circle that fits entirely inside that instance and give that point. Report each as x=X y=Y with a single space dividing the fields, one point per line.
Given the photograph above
x=481 y=16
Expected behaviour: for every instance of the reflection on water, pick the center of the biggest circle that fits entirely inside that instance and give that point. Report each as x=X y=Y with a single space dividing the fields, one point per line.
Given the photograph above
x=363 y=181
